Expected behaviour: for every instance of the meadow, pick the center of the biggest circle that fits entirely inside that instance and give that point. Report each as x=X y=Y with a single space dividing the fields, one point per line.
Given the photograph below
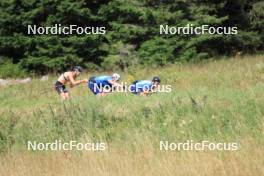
x=219 y=101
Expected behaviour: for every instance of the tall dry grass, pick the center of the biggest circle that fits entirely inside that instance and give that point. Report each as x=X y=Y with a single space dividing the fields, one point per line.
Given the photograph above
x=146 y=160
x=219 y=101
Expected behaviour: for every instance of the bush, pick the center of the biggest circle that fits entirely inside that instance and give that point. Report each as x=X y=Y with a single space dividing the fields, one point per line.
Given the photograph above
x=44 y=64
x=9 y=70
x=157 y=51
x=121 y=57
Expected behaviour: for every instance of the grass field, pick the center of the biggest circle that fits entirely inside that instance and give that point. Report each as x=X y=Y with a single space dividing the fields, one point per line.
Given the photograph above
x=218 y=101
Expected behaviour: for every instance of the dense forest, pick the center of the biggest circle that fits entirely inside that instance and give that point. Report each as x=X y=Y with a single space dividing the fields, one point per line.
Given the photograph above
x=132 y=32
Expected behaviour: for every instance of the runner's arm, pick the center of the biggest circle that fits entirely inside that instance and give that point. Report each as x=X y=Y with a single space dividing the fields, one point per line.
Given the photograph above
x=75 y=83
x=145 y=93
x=115 y=84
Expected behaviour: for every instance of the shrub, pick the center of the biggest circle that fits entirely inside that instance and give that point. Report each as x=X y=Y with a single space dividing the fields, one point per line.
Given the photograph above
x=157 y=51
x=121 y=57
x=44 y=64
x=9 y=70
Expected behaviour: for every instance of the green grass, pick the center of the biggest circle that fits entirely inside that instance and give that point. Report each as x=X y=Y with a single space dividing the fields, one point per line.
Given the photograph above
x=220 y=100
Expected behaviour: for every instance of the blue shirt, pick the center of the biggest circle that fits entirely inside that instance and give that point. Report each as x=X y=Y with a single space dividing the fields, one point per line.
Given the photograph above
x=103 y=80
x=143 y=85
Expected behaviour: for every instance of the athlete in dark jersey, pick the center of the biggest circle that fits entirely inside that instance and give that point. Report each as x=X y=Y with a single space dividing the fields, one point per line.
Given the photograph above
x=68 y=77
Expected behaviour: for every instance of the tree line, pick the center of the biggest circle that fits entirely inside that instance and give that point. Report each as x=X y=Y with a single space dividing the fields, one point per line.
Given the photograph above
x=132 y=34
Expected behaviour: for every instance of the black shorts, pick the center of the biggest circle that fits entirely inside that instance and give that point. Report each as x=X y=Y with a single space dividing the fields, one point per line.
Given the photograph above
x=60 y=88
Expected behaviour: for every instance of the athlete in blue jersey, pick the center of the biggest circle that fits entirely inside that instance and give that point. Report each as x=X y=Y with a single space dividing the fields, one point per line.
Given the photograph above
x=145 y=87
x=100 y=85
